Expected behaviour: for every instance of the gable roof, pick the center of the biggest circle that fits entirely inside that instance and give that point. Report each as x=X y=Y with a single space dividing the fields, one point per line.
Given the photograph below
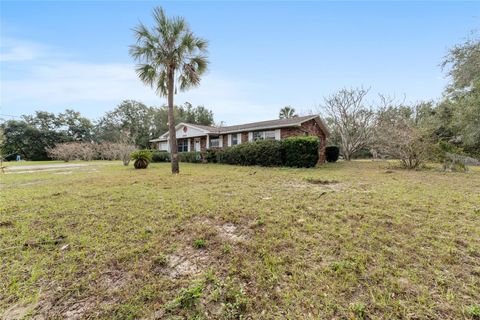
x=277 y=123
x=261 y=125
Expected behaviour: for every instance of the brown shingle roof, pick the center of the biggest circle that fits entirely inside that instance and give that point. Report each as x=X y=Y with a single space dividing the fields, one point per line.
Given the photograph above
x=261 y=124
x=277 y=123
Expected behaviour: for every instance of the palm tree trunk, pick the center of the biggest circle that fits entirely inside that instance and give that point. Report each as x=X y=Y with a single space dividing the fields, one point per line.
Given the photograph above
x=171 y=123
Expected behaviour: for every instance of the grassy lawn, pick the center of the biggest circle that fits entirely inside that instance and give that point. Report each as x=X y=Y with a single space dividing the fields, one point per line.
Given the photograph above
x=345 y=241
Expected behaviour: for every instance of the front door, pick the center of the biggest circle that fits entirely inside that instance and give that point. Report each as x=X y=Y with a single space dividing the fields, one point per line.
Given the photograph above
x=197 y=145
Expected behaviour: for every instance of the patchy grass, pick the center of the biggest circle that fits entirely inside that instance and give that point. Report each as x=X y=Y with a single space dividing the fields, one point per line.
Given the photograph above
x=346 y=240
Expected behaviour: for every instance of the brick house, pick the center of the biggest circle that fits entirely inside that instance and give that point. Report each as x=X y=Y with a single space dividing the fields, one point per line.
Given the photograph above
x=193 y=137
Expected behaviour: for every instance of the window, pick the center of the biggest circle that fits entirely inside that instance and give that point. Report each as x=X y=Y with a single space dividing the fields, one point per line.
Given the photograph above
x=258 y=135
x=182 y=145
x=269 y=135
x=214 y=141
x=234 y=139
x=264 y=135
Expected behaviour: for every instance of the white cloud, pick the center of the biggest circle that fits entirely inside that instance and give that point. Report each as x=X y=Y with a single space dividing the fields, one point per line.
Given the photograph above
x=57 y=85
x=36 y=76
x=19 y=50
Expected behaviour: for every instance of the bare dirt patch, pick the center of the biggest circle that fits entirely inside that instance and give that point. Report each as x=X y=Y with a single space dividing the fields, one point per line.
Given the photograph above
x=183 y=263
x=231 y=232
x=18 y=311
x=322 y=188
x=321 y=181
x=114 y=280
x=181 y=266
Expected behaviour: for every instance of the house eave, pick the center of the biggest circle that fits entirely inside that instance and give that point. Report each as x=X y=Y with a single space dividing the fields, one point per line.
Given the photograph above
x=218 y=131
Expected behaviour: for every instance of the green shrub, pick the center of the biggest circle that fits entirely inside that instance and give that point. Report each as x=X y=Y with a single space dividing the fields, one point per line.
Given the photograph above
x=332 y=153
x=294 y=152
x=191 y=156
x=160 y=156
x=301 y=151
x=267 y=153
x=211 y=155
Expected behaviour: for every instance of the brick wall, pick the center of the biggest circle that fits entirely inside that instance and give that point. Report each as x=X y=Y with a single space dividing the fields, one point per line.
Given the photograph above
x=225 y=140
x=308 y=128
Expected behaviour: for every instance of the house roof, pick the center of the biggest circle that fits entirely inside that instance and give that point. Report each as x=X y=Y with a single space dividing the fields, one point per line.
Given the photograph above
x=269 y=124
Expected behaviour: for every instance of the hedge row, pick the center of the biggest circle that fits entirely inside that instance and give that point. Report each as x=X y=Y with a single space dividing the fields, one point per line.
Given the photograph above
x=291 y=152
x=164 y=156
x=268 y=153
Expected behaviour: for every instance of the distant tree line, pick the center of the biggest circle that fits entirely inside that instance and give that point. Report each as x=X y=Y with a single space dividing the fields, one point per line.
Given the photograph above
x=415 y=132
x=131 y=122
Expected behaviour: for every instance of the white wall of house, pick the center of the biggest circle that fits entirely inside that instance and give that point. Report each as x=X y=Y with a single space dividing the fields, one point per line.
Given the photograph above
x=163 y=146
x=188 y=132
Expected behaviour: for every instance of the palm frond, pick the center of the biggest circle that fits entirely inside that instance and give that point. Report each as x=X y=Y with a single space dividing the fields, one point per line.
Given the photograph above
x=147 y=74
x=168 y=45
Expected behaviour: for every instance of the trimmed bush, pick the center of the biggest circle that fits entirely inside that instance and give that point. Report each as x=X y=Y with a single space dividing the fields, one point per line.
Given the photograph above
x=266 y=153
x=160 y=156
x=164 y=156
x=211 y=155
x=301 y=151
x=332 y=153
x=192 y=156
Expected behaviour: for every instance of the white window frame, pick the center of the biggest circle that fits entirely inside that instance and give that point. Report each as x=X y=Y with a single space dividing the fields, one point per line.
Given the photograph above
x=261 y=135
x=272 y=133
x=230 y=139
x=210 y=142
x=183 y=145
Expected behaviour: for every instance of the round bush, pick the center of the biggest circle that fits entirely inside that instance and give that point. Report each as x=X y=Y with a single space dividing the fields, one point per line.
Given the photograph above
x=301 y=152
x=332 y=153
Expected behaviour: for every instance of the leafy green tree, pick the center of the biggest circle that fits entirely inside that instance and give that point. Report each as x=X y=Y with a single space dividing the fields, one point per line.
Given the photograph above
x=43 y=120
x=131 y=121
x=169 y=54
x=75 y=126
x=287 y=112
x=457 y=117
x=463 y=64
x=197 y=115
x=25 y=140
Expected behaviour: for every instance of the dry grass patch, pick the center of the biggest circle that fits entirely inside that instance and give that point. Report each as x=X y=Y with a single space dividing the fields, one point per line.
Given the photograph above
x=347 y=240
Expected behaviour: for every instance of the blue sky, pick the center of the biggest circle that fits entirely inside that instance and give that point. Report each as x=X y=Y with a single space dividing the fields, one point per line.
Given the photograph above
x=263 y=55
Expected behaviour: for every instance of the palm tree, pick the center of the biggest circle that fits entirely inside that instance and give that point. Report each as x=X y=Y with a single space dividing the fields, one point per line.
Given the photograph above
x=169 y=55
x=287 y=112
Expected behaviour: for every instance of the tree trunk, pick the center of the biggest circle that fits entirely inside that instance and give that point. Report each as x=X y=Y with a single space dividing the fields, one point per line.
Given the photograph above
x=171 y=122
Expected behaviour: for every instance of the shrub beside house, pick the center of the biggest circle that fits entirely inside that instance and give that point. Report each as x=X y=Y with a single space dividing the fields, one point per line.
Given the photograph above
x=291 y=152
x=209 y=141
